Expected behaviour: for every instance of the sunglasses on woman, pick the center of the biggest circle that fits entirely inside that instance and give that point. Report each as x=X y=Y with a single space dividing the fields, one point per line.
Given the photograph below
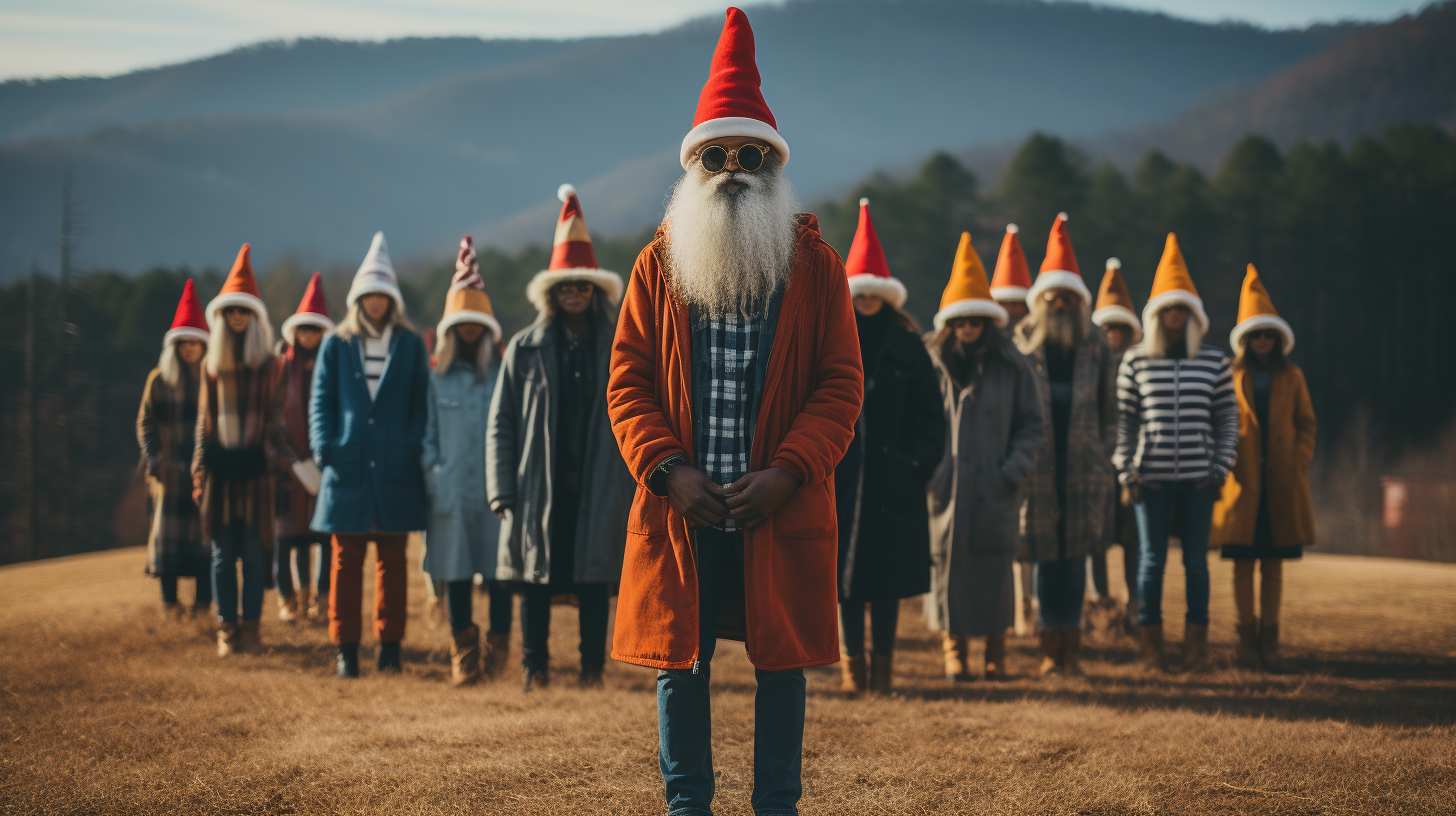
x=1263 y=334
x=750 y=157
x=579 y=287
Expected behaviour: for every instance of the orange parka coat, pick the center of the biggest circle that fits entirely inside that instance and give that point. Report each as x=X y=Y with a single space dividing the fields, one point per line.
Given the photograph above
x=1282 y=469
x=811 y=398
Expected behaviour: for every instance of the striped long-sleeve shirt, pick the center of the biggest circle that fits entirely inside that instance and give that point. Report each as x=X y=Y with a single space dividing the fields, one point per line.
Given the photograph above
x=1177 y=418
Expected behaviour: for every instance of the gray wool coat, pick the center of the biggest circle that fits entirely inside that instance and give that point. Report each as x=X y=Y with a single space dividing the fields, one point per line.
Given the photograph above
x=995 y=428
x=518 y=465
x=1091 y=437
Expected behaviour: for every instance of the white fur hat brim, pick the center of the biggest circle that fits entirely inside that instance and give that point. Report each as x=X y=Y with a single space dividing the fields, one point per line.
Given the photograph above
x=184 y=333
x=1005 y=293
x=733 y=126
x=1120 y=315
x=889 y=289
x=1263 y=322
x=539 y=289
x=305 y=319
x=383 y=286
x=247 y=301
x=1158 y=303
x=469 y=316
x=1057 y=279
x=972 y=307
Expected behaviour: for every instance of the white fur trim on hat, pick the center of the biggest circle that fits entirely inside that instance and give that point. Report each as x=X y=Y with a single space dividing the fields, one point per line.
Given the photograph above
x=469 y=316
x=247 y=301
x=1157 y=303
x=183 y=333
x=972 y=307
x=891 y=289
x=1000 y=293
x=537 y=289
x=1263 y=322
x=1119 y=314
x=733 y=126
x=1058 y=279
x=305 y=319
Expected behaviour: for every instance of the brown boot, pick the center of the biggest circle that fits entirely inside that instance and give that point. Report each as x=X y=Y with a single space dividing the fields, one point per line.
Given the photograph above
x=229 y=639
x=996 y=657
x=318 y=606
x=465 y=656
x=1072 y=652
x=1195 y=648
x=1151 y=638
x=252 y=637
x=288 y=608
x=881 y=672
x=1246 y=653
x=957 y=663
x=1269 y=648
x=497 y=649
x=852 y=677
x=1051 y=652
x=173 y=612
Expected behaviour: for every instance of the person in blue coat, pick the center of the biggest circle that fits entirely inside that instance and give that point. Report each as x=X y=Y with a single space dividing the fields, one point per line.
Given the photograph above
x=462 y=537
x=366 y=426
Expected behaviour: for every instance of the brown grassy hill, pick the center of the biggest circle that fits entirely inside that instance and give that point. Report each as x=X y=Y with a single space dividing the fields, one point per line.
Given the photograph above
x=106 y=709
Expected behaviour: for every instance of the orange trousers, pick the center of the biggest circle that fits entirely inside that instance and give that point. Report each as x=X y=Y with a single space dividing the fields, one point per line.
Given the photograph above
x=347 y=588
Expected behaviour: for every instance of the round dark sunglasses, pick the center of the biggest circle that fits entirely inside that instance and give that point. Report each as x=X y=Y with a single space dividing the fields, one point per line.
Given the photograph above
x=1263 y=334
x=579 y=287
x=750 y=157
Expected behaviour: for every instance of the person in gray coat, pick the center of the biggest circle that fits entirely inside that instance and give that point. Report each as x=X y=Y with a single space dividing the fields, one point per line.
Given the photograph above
x=553 y=471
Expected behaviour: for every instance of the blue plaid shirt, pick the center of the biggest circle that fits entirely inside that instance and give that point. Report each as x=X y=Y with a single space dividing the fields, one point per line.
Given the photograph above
x=726 y=408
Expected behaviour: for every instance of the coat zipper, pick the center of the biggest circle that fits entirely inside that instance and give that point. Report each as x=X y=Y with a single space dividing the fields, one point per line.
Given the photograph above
x=1177 y=418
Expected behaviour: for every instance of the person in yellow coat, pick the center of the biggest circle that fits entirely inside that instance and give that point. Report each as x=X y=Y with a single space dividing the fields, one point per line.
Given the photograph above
x=1265 y=515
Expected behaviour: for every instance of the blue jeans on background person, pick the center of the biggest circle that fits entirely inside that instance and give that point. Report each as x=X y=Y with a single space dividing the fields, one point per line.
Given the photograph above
x=229 y=543
x=684 y=719
x=1194 y=500
x=1061 y=587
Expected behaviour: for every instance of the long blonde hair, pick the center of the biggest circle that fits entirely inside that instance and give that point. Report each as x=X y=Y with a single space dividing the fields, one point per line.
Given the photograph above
x=447 y=346
x=257 y=345
x=1155 y=339
x=170 y=364
x=353 y=322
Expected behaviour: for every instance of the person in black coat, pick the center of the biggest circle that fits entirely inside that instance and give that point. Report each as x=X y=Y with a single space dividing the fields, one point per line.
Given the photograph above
x=884 y=526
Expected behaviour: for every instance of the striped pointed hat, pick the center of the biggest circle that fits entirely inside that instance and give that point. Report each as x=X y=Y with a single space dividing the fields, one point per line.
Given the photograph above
x=1256 y=311
x=572 y=257
x=189 y=323
x=969 y=293
x=312 y=310
x=376 y=275
x=1114 y=304
x=731 y=103
x=1059 y=267
x=467 y=302
x=1172 y=284
x=1013 y=276
x=240 y=289
x=868 y=271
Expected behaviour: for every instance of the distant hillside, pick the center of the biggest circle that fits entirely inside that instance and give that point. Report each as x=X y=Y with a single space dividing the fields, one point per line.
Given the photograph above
x=855 y=84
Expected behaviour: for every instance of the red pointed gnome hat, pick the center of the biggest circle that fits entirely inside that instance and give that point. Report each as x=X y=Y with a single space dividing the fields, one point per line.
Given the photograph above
x=189 y=322
x=731 y=103
x=1114 y=303
x=572 y=257
x=1256 y=311
x=869 y=273
x=1059 y=267
x=240 y=289
x=1012 y=279
x=312 y=310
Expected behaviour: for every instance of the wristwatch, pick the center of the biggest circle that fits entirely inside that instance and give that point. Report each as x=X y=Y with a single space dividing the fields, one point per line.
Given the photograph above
x=657 y=482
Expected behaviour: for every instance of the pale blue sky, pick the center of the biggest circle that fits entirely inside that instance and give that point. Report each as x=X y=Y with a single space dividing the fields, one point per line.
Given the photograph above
x=73 y=37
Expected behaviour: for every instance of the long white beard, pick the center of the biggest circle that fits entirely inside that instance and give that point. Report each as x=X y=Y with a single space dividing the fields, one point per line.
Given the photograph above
x=728 y=251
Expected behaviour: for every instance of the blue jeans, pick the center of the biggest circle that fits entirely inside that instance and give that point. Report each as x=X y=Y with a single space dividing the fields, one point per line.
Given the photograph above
x=229 y=543
x=1060 y=589
x=684 y=721
x=1194 y=501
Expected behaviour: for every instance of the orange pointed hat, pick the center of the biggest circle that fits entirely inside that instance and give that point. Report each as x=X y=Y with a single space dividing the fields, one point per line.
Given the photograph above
x=1012 y=279
x=1059 y=267
x=240 y=289
x=969 y=293
x=467 y=302
x=312 y=310
x=1172 y=284
x=189 y=322
x=572 y=257
x=868 y=271
x=1256 y=311
x=1114 y=304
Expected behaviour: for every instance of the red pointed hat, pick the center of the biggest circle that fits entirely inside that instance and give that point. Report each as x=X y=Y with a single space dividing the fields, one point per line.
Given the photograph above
x=1059 y=267
x=572 y=257
x=731 y=103
x=312 y=310
x=1012 y=278
x=240 y=289
x=189 y=322
x=869 y=273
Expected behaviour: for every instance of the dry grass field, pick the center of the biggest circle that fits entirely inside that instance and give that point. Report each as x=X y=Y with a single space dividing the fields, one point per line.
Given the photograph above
x=104 y=708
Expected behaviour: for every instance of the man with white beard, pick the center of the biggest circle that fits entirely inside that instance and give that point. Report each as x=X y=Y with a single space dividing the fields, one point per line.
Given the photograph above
x=735 y=385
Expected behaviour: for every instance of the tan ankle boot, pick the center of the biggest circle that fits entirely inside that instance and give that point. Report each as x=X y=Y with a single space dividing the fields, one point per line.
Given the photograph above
x=957 y=662
x=1051 y=652
x=1269 y=648
x=251 y=635
x=852 y=677
x=1072 y=652
x=881 y=674
x=173 y=612
x=497 y=650
x=229 y=639
x=1246 y=652
x=288 y=608
x=318 y=606
x=1195 y=648
x=465 y=656
x=1151 y=638
x=996 y=657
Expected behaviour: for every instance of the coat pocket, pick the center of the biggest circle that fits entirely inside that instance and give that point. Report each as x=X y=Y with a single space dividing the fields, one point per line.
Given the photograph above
x=648 y=515
x=807 y=513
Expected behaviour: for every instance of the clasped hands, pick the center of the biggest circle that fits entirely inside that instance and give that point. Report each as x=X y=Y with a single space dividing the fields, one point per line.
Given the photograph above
x=749 y=501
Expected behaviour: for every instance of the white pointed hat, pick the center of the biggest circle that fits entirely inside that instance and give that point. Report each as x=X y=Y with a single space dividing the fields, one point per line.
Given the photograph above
x=376 y=274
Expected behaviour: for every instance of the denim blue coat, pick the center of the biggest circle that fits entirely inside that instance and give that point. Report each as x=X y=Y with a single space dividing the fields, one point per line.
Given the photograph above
x=463 y=535
x=369 y=449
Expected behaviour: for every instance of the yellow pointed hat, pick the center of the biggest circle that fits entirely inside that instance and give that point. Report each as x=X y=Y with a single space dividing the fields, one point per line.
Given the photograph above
x=969 y=292
x=1172 y=284
x=1114 y=303
x=466 y=301
x=1256 y=311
